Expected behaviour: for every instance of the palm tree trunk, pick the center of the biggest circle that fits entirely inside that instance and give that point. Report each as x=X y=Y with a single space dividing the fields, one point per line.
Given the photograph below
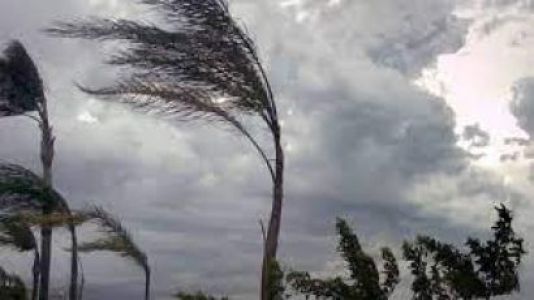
x=47 y=156
x=35 y=283
x=147 y=284
x=46 y=251
x=73 y=288
x=273 y=232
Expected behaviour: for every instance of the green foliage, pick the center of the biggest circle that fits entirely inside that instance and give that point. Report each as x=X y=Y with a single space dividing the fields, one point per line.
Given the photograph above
x=441 y=271
x=16 y=233
x=11 y=286
x=197 y=296
x=276 y=281
x=117 y=239
x=21 y=88
x=365 y=282
x=23 y=190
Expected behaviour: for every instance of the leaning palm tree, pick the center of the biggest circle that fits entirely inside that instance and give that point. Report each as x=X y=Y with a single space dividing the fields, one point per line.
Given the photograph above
x=22 y=92
x=203 y=66
x=17 y=234
x=117 y=240
x=24 y=193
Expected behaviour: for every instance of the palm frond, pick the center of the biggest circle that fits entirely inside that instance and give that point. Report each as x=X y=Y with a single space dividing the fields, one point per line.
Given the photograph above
x=11 y=286
x=16 y=233
x=23 y=190
x=117 y=239
x=207 y=55
x=21 y=87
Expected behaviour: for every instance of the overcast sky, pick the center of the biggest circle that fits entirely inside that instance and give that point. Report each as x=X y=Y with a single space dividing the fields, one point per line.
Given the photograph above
x=404 y=116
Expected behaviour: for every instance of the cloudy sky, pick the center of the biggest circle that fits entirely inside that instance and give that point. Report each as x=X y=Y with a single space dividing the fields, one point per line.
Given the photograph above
x=405 y=116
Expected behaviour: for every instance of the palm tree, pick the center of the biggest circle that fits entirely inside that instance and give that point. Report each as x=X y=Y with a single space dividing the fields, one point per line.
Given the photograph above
x=204 y=67
x=22 y=92
x=18 y=235
x=117 y=240
x=25 y=193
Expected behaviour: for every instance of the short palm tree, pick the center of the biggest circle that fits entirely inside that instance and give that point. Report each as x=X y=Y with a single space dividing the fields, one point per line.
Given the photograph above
x=17 y=234
x=202 y=66
x=22 y=92
x=11 y=286
x=117 y=240
x=24 y=193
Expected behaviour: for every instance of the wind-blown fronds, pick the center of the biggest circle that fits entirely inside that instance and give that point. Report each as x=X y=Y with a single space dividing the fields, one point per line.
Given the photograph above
x=16 y=233
x=21 y=88
x=21 y=189
x=207 y=57
x=117 y=240
x=11 y=286
x=202 y=66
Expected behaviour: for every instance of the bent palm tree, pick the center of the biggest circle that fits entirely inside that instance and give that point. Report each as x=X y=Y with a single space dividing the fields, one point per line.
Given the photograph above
x=205 y=67
x=117 y=240
x=17 y=234
x=25 y=193
x=21 y=92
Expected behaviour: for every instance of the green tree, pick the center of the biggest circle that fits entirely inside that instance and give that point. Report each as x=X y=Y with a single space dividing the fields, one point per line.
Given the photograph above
x=117 y=240
x=21 y=92
x=202 y=66
x=364 y=282
x=441 y=271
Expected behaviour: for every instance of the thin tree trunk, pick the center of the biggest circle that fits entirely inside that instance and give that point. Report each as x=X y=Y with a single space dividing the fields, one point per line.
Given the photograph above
x=147 y=284
x=35 y=283
x=273 y=232
x=73 y=288
x=46 y=251
x=47 y=156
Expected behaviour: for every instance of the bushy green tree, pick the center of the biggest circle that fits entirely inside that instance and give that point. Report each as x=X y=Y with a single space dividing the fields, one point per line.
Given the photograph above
x=364 y=282
x=483 y=270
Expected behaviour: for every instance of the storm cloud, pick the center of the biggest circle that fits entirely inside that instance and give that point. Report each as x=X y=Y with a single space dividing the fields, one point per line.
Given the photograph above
x=362 y=142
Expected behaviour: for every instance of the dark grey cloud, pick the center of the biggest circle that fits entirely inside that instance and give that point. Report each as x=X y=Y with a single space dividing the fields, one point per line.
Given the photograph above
x=362 y=142
x=522 y=105
x=476 y=136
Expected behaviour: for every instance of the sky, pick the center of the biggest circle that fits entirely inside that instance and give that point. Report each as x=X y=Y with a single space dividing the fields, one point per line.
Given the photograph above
x=403 y=116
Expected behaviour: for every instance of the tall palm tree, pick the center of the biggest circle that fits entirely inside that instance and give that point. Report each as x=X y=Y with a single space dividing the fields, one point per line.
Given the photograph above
x=22 y=92
x=18 y=235
x=117 y=240
x=203 y=67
